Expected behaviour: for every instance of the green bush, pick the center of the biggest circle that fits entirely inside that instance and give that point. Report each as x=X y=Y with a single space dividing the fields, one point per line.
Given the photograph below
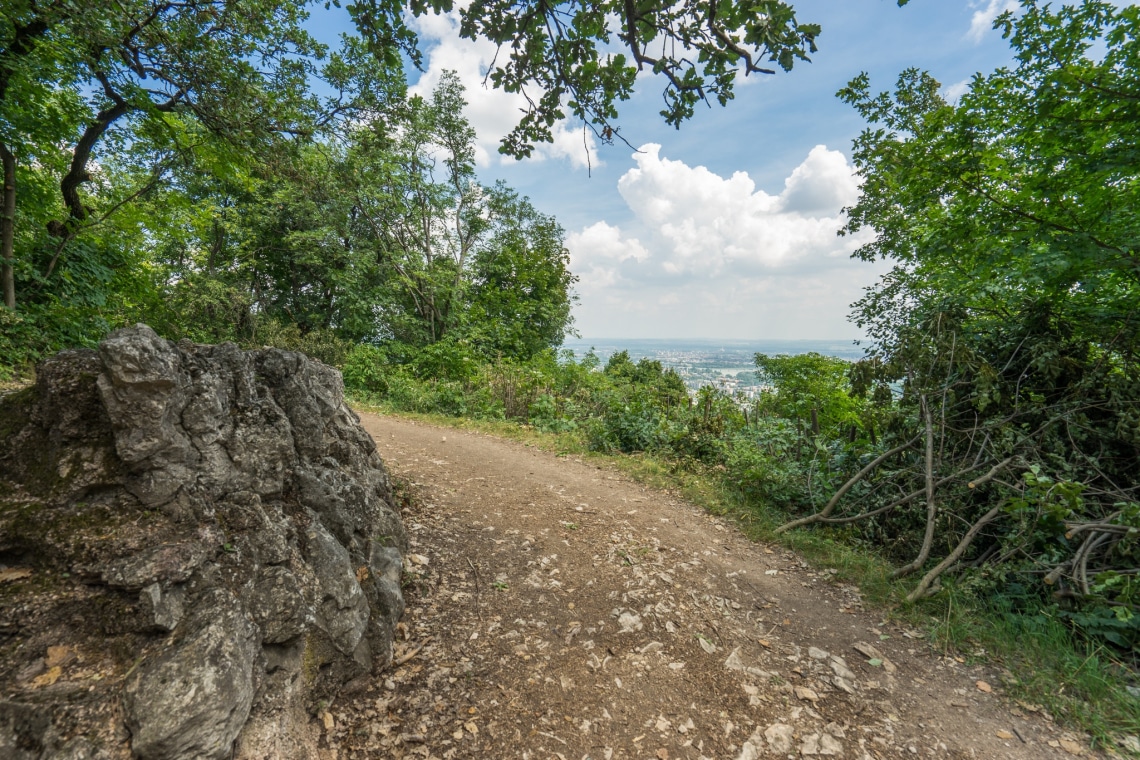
x=322 y=345
x=545 y=415
x=627 y=425
x=703 y=430
x=447 y=359
x=760 y=461
x=364 y=370
x=516 y=386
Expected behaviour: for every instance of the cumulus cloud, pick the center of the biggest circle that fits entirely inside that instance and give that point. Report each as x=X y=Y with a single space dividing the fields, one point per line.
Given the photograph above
x=983 y=19
x=954 y=92
x=699 y=224
x=493 y=113
x=603 y=252
x=821 y=186
x=704 y=251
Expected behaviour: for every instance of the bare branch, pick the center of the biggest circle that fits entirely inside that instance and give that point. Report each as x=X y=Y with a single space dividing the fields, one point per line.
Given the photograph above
x=931 y=505
x=923 y=588
x=830 y=507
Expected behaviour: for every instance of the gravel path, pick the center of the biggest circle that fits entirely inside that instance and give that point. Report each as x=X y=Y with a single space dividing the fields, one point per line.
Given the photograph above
x=560 y=610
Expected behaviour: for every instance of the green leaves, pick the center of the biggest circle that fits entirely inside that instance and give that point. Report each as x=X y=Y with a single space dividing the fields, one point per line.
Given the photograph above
x=520 y=294
x=584 y=57
x=811 y=389
x=152 y=93
x=383 y=237
x=1010 y=217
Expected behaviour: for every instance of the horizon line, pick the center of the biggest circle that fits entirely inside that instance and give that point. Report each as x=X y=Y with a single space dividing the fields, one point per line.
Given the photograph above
x=724 y=340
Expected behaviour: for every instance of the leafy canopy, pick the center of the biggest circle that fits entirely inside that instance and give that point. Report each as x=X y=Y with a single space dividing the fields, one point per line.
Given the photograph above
x=1010 y=321
x=582 y=58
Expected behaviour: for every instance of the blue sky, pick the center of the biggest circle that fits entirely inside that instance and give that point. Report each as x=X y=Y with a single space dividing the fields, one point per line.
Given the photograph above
x=725 y=228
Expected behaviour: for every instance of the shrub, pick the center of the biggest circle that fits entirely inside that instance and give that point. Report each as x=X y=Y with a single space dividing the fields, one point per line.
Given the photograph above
x=364 y=369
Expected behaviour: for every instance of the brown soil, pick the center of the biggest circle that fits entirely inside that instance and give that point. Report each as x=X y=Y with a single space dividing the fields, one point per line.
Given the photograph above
x=557 y=609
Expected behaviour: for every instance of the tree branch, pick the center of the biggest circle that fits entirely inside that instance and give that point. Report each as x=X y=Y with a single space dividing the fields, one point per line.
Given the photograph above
x=923 y=588
x=830 y=507
x=931 y=505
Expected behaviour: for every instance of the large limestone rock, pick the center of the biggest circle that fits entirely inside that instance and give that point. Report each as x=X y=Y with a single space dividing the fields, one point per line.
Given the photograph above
x=198 y=548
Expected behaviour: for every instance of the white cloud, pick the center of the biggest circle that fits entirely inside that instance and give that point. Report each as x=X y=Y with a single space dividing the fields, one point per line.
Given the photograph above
x=954 y=92
x=983 y=19
x=822 y=185
x=710 y=255
x=493 y=113
x=701 y=224
x=599 y=252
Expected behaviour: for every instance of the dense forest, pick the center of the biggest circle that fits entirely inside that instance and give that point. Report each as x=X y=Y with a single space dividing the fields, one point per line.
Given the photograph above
x=208 y=168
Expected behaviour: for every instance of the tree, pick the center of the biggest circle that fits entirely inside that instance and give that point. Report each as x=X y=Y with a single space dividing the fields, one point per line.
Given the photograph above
x=159 y=78
x=520 y=280
x=416 y=189
x=460 y=260
x=1025 y=191
x=1010 y=321
x=239 y=69
x=281 y=246
x=810 y=389
x=383 y=236
x=560 y=54
x=662 y=384
x=35 y=115
x=103 y=107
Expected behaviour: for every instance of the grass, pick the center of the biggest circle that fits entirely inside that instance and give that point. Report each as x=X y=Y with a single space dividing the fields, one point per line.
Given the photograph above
x=1081 y=685
x=1045 y=667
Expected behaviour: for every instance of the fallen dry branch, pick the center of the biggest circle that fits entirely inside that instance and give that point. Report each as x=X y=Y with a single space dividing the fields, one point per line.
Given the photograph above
x=1081 y=560
x=1096 y=535
x=991 y=474
x=1102 y=537
x=407 y=657
x=931 y=504
x=830 y=506
x=1055 y=574
x=1073 y=529
x=902 y=499
x=923 y=589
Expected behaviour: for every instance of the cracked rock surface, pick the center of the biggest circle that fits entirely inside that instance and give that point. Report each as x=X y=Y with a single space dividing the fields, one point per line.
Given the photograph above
x=197 y=550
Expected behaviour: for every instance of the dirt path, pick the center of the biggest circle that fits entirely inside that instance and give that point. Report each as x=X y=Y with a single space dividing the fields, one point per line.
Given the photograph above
x=559 y=610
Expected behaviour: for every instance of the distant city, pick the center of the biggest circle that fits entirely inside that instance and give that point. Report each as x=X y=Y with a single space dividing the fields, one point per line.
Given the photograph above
x=725 y=364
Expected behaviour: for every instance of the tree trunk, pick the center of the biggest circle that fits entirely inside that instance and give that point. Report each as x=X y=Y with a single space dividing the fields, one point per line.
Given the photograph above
x=77 y=173
x=8 y=228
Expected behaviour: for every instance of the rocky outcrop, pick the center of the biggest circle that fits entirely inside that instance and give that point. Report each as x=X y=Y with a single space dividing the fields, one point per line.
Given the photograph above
x=198 y=548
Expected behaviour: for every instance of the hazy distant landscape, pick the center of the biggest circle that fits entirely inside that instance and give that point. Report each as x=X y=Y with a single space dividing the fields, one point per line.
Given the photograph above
x=727 y=364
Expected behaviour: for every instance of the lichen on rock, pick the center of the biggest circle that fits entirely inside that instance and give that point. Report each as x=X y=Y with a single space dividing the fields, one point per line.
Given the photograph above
x=208 y=532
